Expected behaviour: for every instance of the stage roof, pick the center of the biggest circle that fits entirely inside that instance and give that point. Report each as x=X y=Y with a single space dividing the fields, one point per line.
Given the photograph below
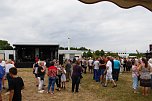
x=35 y=44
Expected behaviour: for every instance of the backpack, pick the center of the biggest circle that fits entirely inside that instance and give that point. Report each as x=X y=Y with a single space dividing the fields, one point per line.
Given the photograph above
x=2 y=72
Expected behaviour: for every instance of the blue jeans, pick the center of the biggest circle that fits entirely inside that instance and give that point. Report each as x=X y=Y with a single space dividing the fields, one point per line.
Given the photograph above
x=0 y=85
x=96 y=75
x=51 y=83
x=135 y=83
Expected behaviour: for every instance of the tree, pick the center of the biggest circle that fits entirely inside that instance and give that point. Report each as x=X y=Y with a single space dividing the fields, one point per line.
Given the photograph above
x=4 y=45
x=82 y=48
x=89 y=54
x=85 y=54
x=102 y=53
x=97 y=53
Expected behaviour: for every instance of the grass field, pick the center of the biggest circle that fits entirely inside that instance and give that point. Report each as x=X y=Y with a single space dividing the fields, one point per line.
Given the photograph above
x=89 y=90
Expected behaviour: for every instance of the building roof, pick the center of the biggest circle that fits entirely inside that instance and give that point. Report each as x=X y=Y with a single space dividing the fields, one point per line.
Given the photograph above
x=36 y=44
x=70 y=52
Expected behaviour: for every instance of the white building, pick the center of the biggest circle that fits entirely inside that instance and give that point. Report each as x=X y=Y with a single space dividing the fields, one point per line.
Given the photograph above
x=123 y=54
x=70 y=54
x=7 y=54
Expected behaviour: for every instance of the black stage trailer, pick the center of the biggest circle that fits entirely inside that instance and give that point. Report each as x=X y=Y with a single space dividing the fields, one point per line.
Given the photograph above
x=25 y=54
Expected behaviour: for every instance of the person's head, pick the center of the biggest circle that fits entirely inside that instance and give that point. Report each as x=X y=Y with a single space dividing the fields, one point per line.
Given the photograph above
x=12 y=71
x=108 y=57
x=134 y=62
x=41 y=63
x=9 y=61
x=78 y=62
x=69 y=61
x=52 y=63
x=144 y=62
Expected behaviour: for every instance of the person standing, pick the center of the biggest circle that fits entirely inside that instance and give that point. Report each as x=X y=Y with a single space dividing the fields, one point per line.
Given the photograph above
x=124 y=64
x=76 y=75
x=63 y=77
x=68 y=67
x=16 y=85
x=128 y=65
x=90 y=65
x=108 y=72
x=102 y=67
x=96 y=69
x=2 y=73
x=8 y=65
x=150 y=64
x=52 y=73
x=35 y=71
x=116 y=69
x=135 y=74
x=2 y=63
x=40 y=76
x=145 y=76
x=58 y=77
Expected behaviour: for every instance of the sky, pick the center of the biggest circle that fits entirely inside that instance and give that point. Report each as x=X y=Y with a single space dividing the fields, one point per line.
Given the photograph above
x=97 y=26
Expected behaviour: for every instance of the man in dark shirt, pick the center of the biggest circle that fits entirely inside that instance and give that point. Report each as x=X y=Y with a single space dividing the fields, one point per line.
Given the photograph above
x=16 y=85
x=68 y=70
x=76 y=75
x=102 y=68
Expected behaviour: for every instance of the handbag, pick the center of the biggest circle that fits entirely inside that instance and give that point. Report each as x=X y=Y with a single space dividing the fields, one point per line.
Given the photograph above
x=138 y=76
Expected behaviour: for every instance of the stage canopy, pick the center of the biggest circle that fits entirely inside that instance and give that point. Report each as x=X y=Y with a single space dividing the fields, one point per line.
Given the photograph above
x=124 y=3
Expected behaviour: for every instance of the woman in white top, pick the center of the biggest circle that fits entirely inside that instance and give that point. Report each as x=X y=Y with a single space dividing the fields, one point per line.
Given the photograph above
x=8 y=65
x=63 y=77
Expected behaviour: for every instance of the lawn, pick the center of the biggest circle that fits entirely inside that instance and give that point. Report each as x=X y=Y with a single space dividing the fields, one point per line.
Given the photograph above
x=89 y=90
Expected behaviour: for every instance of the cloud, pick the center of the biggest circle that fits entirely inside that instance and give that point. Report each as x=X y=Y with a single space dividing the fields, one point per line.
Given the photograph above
x=98 y=26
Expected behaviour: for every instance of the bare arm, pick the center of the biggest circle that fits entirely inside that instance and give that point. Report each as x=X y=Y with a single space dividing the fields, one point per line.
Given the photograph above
x=33 y=66
x=106 y=69
x=11 y=95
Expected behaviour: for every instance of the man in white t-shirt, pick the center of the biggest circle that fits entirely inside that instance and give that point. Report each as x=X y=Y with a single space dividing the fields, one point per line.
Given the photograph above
x=108 y=72
x=96 y=69
x=90 y=65
x=2 y=63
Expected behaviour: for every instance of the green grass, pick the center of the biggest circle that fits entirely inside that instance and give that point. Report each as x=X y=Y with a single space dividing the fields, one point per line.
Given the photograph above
x=123 y=92
x=89 y=90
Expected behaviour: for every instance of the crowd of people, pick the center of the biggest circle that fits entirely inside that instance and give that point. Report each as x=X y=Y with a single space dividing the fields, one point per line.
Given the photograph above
x=108 y=69
x=57 y=74
x=15 y=83
x=103 y=69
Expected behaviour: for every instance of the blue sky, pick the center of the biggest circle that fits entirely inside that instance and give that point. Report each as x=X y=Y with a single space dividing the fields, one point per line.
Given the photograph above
x=97 y=26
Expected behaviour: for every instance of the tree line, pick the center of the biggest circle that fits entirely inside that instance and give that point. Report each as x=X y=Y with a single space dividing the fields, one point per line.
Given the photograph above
x=5 y=45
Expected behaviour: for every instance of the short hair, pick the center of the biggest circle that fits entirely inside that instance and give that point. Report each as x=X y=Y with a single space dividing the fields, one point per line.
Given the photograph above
x=13 y=71
x=108 y=57
x=51 y=63
x=78 y=62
